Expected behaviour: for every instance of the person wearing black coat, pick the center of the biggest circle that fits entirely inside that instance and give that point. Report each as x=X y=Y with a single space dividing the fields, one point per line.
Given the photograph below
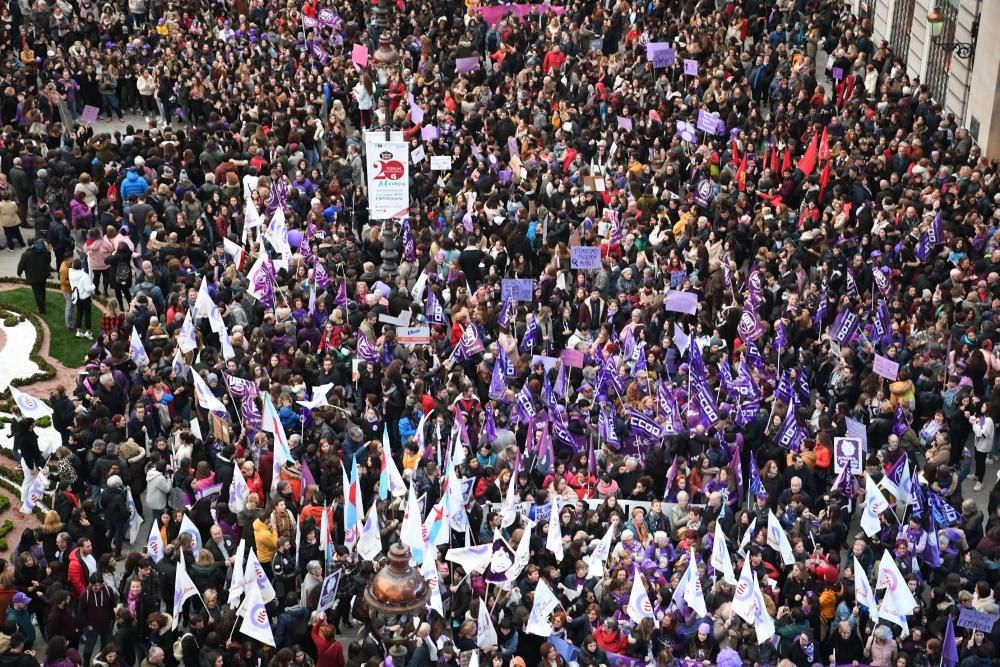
x=63 y=412
x=35 y=265
x=26 y=443
x=116 y=512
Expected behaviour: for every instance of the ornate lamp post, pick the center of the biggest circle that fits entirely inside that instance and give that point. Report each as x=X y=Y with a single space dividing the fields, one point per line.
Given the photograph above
x=394 y=593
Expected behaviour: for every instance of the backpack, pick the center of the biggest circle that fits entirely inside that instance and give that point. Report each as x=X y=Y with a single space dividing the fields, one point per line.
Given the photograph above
x=123 y=273
x=179 y=646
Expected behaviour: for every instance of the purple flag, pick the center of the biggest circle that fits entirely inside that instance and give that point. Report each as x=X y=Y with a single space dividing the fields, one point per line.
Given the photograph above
x=882 y=281
x=498 y=385
x=882 y=323
x=606 y=429
x=708 y=409
x=791 y=435
x=433 y=310
x=342 y=294
x=643 y=426
x=409 y=249
x=756 y=484
x=949 y=647
x=245 y=393
x=489 y=424
x=530 y=333
x=465 y=65
x=852 y=284
x=319 y=274
x=366 y=349
x=781 y=338
x=746 y=412
x=755 y=286
x=669 y=410
x=846 y=327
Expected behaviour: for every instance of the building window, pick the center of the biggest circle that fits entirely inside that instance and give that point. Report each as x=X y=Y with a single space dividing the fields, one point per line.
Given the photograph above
x=902 y=24
x=939 y=59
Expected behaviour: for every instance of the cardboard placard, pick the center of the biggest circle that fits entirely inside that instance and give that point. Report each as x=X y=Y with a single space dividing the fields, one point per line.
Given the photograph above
x=518 y=289
x=585 y=257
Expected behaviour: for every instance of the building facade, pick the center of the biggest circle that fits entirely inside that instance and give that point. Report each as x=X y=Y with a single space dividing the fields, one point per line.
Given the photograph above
x=960 y=66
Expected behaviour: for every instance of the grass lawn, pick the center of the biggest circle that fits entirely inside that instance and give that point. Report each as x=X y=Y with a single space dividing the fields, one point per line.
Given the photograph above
x=64 y=346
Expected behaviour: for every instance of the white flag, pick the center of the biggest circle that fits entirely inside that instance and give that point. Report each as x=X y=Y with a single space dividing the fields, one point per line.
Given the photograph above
x=486 y=634
x=34 y=491
x=863 y=592
x=595 y=561
x=29 y=405
x=429 y=571
x=778 y=540
x=187 y=340
x=254 y=572
x=134 y=520
x=256 y=623
x=237 y=584
x=507 y=507
x=545 y=603
x=411 y=531
x=905 y=494
x=761 y=620
x=183 y=589
x=456 y=502
x=681 y=339
x=720 y=556
x=227 y=345
x=743 y=596
x=693 y=595
x=522 y=555
x=187 y=526
x=239 y=492
x=875 y=504
x=154 y=545
x=639 y=606
x=891 y=579
x=745 y=540
x=206 y=398
x=137 y=349
x=472 y=559
x=393 y=481
x=370 y=541
x=553 y=541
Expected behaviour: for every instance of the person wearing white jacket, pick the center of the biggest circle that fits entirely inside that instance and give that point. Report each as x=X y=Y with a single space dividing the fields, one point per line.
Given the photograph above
x=982 y=431
x=81 y=291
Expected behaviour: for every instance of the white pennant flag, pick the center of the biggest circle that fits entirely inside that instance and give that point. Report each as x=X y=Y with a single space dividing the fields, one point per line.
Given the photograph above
x=370 y=541
x=486 y=634
x=720 y=556
x=184 y=588
x=254 y=572
x=522 y=555
x=508 y=511
x=411 y=531
x=743 y=596
x=227 y=345
x=206 y=398
x=554 y=541
x=693 y=595
x=29 y=405
x=545 y=603
x=256 y=623
x=778 y=540
x=639 y=606
x=154 y=544
x=863 y=592
x=237 y=584
x=761 y=620
x=394 y=483
x=875 y=504
x=34 y=491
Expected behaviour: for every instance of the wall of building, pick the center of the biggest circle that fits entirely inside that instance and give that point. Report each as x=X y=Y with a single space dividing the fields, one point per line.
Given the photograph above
x=972 y=84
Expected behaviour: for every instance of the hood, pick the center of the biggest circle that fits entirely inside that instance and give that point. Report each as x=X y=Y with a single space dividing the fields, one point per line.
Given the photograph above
x=131 y=177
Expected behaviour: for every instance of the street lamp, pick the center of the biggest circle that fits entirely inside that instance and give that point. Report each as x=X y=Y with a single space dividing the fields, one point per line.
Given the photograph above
x=936 y=20
x=394 y=594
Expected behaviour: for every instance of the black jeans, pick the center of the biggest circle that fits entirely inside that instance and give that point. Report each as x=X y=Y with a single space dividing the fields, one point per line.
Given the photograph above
x=981 y=465
x=38 y=289
x=83 y=322
x=14 y=234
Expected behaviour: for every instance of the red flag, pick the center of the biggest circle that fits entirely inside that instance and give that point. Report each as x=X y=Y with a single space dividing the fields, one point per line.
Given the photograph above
x=736 y=152
x=808 y=162
x=741 y=175
x=824 y=180
x=786 y=160
x=824 y=146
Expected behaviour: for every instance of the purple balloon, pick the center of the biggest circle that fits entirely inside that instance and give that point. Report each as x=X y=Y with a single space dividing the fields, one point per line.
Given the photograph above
x=295 y=238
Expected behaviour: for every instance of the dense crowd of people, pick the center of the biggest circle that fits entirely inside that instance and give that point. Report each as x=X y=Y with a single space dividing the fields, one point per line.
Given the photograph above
x=741 y=431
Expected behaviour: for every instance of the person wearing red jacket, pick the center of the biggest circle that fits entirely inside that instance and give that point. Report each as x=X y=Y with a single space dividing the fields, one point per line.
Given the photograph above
x=610 y=637
x=79 y=570
x=554 y=60
x=329 y=651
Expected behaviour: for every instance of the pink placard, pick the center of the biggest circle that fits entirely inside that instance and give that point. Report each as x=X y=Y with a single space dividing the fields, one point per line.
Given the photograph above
x=690 y=67
x=625 y=123
x=89 y=114
x=429 y=133
x=574 y=358
x=886 y=367
x=359 y=55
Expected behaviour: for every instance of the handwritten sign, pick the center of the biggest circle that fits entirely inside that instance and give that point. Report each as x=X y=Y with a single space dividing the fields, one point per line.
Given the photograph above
x=664 y=58
x=584 y=257
x=690 y=67
x=547 y=362
x=848 y=453
x=976 y=620
x=440 y=162
x=429 y=133
x=89 y=114
x=681 y=302
x=418 y=155
x=886 y=367
x=710 y=123
x=518 y=289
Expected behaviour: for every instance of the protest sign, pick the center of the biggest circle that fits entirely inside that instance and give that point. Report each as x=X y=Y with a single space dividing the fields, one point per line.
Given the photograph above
x=584 y=257
x=518 y=289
